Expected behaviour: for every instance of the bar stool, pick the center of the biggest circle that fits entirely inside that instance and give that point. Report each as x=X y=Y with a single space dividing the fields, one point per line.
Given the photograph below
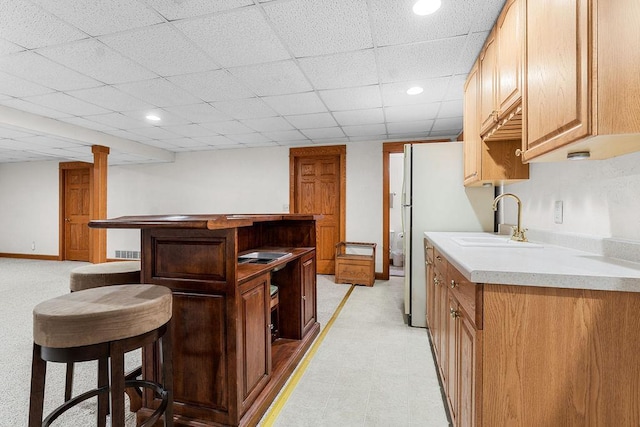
x=103 y=324
x=94 y=276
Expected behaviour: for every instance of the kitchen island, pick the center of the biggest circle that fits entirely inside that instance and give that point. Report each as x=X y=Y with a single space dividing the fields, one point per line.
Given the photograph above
x=533 y=335
x=227 y=365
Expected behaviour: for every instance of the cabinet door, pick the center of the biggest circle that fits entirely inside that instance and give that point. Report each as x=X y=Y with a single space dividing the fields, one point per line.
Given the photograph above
x=466 y=381
x=509 y=64
x=488 y=59
x=255 y=317
x=308 y=293
x=430 y=287
x=453 y=331
x=556 y=97
x=443 y=315
x=472 y=143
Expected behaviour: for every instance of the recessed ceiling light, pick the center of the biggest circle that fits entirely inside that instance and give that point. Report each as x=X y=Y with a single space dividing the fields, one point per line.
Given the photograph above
x=578 y=155
x=426 y=7
x=152 y=117
x=414 y=90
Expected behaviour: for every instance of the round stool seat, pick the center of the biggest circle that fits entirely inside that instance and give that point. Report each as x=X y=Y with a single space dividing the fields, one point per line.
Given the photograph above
x=104 y=274
x=100 y=315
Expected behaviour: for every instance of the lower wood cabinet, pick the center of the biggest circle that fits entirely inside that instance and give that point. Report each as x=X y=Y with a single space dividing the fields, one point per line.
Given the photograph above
x=511 y=355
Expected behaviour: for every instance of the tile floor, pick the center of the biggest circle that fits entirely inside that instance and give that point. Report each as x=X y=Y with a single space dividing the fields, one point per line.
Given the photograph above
x=370 y=370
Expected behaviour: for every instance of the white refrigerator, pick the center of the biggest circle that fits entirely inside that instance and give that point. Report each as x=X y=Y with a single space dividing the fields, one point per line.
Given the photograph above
x=434 y=199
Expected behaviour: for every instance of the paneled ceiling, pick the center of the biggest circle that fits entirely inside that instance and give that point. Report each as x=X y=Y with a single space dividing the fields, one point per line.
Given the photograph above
x=228 y=74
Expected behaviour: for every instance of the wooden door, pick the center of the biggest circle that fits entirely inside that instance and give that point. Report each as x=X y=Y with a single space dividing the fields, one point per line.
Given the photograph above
x=76 y=214
x=317 y=184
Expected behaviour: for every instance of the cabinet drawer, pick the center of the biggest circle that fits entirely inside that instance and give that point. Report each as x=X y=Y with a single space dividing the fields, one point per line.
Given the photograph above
x=439 y=262
x=354 y=270
x=468 y=294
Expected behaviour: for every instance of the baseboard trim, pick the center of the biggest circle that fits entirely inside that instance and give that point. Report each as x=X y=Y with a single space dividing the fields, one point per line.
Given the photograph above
x=30 y=256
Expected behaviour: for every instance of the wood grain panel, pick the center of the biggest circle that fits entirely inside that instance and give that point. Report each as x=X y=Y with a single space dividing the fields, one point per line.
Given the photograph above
x=509 y=63
x=77 y=212
x=560 y=357
x=190 y=258
x=488 y=60
x=309 y=300
x=471 y=124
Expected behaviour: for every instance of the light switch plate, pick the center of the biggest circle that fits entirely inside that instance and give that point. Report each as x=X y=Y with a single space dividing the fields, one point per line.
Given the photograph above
x=557 y=212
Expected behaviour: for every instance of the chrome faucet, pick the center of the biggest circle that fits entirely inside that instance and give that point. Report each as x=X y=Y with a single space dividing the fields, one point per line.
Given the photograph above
x=517 y=232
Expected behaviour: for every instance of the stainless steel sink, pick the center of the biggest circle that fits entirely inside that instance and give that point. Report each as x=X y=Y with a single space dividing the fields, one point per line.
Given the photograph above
x=261 y=257
x=491 y=241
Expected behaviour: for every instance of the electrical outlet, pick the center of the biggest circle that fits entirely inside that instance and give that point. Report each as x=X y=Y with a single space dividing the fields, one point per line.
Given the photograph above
x=33 y=246
x=557 y=212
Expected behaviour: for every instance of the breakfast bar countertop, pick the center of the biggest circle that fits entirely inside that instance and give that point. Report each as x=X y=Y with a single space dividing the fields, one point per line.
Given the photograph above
x=547 y=266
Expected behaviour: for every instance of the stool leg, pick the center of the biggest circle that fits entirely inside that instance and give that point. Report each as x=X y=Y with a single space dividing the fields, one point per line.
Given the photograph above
x=166 y=342
x=68 y=383
x=103 y=398
x=117 y=385
x=38 y=374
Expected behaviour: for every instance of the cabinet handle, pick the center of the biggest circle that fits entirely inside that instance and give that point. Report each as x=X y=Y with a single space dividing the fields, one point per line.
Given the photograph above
x=518 y=152
x=453 y=284
x=270 y=326
x=304 y=297
x=454 y=313
x=439 y=258
x=436 y=281
x=429 y=263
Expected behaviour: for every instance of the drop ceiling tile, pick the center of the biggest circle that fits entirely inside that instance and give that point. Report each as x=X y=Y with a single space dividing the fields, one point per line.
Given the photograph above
x=198 y=113
x=15 y=86
x=110 y=98
x=82 y=122
x=310 y=121
x=323 y=133
x=468 y=55
x=455 y=90
x=368 y=138
x=297 y=143
x=364 y=130
x=451 y=109
x=252 y=108
x=297 y=103
x=486 y=13
x=240 y=37
x=268 y=124
x=395 y=23
x=36 y=68
x=421 y=60
x=165 y=144
x=185 y=143
x=217 y=85
x=102 y=17
x=357 y=98
x=227 y=128
x=449 y=124
x=8 y=47
x=422 y=127
x=189 y=131
x=166 y=118
x=215 y=140
x=285 y=135
x=95 y=59
x=116 y=120
x=311 y=27
x=154 y=132
x=396 y=93
x=249 y=138
x=128 y=135
x=341 y=70
x=159 y=92
x=177 y=9
x=51 y=142
x=11 y=133
x=262 y=144
x=30 y=107
x=67 y=104
x=30 y=26
x=162 y=49
x=332 y=140
x=359 y=117
x=452 y=135
x=408 y=113
x=275 y=78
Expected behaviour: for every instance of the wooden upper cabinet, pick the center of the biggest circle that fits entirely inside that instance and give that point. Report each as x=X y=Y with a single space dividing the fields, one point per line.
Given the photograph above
x=509 y=63
x=487 y=61
x=471 y=128
x=582 y=90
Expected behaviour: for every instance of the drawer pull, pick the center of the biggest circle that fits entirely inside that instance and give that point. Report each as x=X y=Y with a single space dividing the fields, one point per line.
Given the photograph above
x=454 y=313
x=429 y=263
x=436 y=281
x=453 y=284
x=439 y=258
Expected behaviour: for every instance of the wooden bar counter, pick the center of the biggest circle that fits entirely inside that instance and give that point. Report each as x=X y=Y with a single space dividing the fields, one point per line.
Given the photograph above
x=227 y=369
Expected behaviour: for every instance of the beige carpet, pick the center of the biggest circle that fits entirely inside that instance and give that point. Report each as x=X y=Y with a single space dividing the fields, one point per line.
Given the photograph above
x=25 y=283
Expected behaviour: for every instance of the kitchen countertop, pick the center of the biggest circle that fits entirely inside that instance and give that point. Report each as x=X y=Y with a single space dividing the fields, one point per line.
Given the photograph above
x=548 y=266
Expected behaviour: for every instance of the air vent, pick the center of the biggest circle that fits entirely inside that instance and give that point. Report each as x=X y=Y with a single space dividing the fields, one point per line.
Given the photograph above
x=128 y=254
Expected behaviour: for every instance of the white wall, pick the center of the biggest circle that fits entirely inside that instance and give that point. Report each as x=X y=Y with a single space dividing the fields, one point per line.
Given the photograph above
x=227 y=181
x=600 y=197
x=29 y=208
